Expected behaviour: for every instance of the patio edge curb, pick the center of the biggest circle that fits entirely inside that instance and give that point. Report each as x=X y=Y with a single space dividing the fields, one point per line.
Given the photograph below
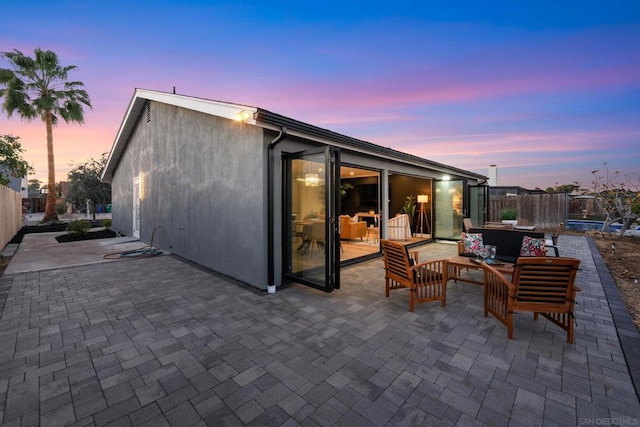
x=627 y=332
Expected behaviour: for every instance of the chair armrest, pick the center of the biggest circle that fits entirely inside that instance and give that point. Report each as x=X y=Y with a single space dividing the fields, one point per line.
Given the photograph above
x=493 y=280
x=460 y=247
x=498 y=295
x=434 y=271
x=361 y=229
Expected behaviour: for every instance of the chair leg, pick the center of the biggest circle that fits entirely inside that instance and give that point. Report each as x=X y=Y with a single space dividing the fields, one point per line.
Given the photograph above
x=510 y=325
x=412 y=296
x=570 y=331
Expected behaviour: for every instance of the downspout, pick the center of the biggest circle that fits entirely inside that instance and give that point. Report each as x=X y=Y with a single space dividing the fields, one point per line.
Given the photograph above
x=271 y=287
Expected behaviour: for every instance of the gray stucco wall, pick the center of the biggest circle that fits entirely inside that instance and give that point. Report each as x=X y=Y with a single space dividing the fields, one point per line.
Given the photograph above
x=204 y=190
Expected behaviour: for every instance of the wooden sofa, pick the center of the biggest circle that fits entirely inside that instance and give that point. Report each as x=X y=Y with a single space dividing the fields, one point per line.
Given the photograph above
x=508 y=242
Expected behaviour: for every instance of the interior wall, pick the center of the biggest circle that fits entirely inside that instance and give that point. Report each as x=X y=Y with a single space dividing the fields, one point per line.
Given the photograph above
x=363 y=197
x=401 y=186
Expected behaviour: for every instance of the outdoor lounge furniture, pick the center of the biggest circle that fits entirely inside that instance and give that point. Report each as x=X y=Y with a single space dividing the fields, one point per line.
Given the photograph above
x=426 y=281
x=352 y=230
x=500 y=225
x=456 y=264
x=551 y=239
x=399 y=227
x=508 y=242
x=539 y=285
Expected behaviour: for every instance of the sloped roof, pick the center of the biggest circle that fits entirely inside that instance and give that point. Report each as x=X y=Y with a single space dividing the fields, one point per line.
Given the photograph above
x=265 y=119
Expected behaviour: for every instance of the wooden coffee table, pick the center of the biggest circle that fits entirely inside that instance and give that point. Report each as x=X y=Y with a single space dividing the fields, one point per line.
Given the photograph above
x=457 y=263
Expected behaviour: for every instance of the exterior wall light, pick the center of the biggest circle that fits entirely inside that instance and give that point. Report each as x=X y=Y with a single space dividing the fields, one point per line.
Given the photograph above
x=243 y=116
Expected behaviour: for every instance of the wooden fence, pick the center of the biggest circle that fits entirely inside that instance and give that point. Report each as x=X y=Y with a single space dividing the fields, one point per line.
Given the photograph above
x=541 y=210
x=10 y=214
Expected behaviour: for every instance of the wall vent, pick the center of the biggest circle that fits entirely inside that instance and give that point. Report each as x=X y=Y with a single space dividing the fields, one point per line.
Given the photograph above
x=148 y=111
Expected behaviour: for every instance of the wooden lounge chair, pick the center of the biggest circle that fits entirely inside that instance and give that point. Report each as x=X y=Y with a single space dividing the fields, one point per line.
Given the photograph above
x=540 y=285
x=426 y=281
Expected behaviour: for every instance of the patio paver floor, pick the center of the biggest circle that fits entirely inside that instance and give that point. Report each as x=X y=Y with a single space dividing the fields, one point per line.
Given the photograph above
x=163 y=342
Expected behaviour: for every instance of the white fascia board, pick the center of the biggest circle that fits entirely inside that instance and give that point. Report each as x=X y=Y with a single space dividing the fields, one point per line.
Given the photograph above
x=215 y=108
x=237 y=112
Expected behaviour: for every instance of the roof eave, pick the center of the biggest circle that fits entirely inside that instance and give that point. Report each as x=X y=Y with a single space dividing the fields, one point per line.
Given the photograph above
x=327 y=136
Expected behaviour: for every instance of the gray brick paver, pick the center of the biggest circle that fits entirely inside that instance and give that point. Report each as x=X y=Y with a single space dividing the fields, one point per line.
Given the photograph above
x=117 y=411
x=61 y=416
x=88 y=408
x=182 y=415
x=176 y=398
x=22 y=398
x=204 y=350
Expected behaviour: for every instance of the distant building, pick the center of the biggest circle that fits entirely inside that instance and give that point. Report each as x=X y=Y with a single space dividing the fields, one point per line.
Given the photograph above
x=20 y=185
x=512 y=191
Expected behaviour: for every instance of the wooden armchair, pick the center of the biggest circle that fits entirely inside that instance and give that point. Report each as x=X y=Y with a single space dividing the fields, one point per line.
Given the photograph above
x=540 y=285
x=426 y=281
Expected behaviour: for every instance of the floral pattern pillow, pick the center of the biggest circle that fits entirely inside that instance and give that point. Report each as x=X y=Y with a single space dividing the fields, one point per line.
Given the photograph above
x=532 y=247
x=472 y=242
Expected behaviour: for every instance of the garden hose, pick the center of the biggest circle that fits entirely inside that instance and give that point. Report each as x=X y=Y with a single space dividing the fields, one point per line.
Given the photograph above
x=146 y=251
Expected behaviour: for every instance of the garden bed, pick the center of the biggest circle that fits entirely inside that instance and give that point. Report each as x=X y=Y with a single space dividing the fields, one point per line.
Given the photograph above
x=98 y=234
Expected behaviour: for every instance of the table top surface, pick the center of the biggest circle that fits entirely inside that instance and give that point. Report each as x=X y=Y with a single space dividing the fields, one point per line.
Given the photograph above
x=525 y=227
x=468 y=262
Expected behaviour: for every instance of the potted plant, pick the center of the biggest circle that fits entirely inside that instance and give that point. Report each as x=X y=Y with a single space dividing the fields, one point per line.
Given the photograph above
x=409 y=208
x=509 y=216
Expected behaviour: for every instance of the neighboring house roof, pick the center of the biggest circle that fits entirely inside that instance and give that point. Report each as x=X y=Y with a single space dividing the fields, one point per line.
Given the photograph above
x=15 y=183
x=265 y=119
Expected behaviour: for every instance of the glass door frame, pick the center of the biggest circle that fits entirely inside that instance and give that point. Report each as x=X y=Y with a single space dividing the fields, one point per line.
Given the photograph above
x=478 y=198
x=332 y=210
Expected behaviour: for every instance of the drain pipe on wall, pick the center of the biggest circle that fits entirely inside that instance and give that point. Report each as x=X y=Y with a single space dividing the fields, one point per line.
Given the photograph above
x=271 y=287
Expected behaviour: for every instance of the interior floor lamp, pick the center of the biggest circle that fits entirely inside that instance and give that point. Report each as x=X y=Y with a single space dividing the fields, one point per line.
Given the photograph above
x=424 y=219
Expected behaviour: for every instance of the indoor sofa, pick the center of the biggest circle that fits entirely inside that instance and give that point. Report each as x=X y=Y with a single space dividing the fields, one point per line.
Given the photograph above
x=352 y=230
x=508 y=242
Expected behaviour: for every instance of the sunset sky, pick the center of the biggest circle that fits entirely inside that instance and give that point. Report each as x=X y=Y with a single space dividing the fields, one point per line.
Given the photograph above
x=546 y=90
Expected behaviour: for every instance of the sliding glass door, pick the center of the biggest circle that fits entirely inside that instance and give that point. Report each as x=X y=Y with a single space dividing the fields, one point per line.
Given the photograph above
x=311 y=205
x=448 y=209
x=478 y=202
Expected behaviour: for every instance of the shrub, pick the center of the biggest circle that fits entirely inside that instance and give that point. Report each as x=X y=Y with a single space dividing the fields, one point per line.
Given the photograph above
x=509 y=214
x=106 y=223
x=61 y=208
x=79 y=227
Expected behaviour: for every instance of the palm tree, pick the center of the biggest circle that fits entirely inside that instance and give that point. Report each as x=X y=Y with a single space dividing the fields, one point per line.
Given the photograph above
x=38 y=87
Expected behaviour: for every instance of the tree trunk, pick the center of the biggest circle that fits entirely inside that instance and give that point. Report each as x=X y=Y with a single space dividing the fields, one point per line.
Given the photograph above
x=50 y=212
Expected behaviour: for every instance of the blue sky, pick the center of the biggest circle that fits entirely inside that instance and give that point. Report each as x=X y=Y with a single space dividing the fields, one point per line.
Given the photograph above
x=548 y=91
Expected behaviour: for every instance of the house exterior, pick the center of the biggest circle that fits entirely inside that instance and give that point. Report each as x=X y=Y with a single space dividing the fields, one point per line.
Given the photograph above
x=256 y=196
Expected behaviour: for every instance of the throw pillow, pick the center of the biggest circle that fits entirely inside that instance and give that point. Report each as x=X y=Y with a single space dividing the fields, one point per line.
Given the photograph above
x=532 y=247
x=354 y=219
x=472 y=242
